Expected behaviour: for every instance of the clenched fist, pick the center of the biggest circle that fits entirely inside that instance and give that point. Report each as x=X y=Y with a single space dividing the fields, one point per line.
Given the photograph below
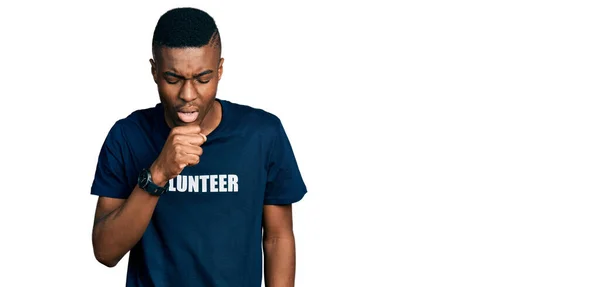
x=181 y=149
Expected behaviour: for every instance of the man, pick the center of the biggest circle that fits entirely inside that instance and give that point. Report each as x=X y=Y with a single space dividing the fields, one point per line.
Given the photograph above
x=189 y=185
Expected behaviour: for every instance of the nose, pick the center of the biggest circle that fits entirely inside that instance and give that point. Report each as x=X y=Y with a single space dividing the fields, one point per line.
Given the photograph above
x=187 y=92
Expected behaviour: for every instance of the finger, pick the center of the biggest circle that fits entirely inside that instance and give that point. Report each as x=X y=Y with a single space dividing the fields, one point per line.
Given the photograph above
x=192 y=150
x=191 y=159
x=196 y=140
x=187 y=129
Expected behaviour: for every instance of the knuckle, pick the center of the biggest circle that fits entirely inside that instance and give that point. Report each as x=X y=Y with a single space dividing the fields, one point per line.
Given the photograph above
x=178 y=148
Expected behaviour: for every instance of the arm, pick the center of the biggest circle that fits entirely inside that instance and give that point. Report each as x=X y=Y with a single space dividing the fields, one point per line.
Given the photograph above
x=119 y=224
x=279 y=246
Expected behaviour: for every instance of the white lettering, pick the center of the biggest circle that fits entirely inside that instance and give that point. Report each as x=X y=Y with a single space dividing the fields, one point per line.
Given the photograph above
x=171 y=185
x=204 y=183
x=193 y=183
x=204 y=178
x=213 y=183
x=232 y=183
x=222 y=182
x=181 y=183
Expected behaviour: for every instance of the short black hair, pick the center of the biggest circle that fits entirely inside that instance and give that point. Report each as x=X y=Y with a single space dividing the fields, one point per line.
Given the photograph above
x=186 y=27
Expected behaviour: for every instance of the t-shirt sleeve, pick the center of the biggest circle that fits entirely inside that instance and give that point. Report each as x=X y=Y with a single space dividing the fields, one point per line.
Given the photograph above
x=110 y=179
x=284 y=181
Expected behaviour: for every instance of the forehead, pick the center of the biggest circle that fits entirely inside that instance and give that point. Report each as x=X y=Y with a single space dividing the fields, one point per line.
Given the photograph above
x=189 y=59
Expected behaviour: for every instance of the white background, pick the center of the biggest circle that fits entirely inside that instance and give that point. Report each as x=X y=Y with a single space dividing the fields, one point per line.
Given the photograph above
x=444 y=143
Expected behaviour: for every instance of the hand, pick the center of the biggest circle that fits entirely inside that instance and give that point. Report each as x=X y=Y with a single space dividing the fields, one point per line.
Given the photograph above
x=182 y=148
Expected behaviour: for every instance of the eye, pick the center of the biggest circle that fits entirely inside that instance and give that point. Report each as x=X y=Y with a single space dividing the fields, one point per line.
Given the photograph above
x=171 y=80
x=203 y=81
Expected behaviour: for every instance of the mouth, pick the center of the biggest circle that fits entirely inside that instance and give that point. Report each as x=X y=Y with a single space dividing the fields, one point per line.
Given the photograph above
x=187 y=116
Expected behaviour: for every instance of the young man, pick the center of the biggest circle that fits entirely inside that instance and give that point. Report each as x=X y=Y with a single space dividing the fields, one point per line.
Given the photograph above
x=189 y=185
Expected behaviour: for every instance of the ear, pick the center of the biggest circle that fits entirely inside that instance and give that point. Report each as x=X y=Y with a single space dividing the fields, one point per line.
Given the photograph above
x=153 y=70
x=220 y=71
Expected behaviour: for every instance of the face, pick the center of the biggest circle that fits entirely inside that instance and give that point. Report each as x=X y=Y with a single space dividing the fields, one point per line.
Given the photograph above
x=187 y=80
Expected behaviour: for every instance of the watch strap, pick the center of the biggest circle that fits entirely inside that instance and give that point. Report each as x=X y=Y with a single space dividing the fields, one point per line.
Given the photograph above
x=145 y=182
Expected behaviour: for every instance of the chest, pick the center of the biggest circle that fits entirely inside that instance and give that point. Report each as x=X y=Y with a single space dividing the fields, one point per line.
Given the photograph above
x=230 y=178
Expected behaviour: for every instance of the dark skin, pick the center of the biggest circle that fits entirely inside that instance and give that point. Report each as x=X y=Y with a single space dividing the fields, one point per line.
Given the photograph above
x=187 y=78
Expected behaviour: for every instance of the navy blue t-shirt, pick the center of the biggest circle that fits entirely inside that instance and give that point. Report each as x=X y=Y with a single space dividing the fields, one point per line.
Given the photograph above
x=207 y=229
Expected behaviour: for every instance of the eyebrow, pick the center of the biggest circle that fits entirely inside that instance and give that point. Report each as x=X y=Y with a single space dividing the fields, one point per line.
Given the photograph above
x=168 y=73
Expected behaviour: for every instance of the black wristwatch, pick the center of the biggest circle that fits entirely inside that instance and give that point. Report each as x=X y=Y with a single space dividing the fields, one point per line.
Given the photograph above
x=145 y=183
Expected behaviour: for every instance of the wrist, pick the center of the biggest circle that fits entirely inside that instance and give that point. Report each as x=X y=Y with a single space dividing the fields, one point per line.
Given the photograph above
x=157 y=176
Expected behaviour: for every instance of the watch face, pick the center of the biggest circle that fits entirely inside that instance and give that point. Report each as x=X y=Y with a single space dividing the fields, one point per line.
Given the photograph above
x=143 y=181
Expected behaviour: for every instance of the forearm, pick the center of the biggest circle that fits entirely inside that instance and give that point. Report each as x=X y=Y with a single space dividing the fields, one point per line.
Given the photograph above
x=117 y=232
x=280 y=261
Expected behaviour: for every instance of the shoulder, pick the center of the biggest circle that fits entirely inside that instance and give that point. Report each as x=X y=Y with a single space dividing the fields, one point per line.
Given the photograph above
x=141 y=117
x=244 y=114
x=137 y=121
